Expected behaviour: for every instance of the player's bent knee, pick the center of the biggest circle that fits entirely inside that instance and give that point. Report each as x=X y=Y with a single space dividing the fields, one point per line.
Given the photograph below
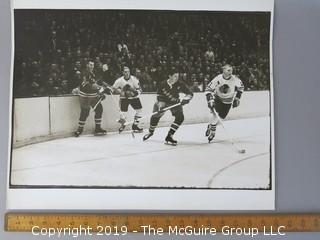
x=179 y=118
x=154 y=120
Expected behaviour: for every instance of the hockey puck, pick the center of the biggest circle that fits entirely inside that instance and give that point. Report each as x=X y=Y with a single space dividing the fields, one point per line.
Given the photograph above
x=242 y=151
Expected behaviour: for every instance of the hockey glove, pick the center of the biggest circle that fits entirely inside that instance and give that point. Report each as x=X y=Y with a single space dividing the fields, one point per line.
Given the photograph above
x=236 y=102
x=75 y=91
x=211 y=104
x=134 y=92
x=173 y=100
x=108 y=90
x=158 y=107
x=101 y=90
x=161 y=110
x=185 y=101
x=210 y=100
x=130 y=93
x=102 y=96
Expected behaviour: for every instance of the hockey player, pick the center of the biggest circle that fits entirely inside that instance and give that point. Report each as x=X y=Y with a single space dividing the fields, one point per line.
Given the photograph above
x=168 y=95
x=90 y=95
x=222 y=92
x=128 y=86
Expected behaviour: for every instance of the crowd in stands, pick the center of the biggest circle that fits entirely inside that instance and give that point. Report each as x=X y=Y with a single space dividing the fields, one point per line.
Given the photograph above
x=52 y=48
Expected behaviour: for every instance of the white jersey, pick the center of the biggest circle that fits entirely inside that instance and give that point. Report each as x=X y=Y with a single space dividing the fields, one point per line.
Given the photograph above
x=133 y=82
x=225 y=89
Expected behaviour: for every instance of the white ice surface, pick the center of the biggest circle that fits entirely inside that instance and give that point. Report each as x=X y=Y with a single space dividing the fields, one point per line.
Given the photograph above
x=123 y=161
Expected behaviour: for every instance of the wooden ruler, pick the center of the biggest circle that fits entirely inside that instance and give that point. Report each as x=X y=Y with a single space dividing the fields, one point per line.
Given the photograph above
x=109 y=224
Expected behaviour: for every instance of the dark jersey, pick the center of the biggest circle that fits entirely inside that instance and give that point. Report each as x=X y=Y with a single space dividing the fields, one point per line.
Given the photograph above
x=170 y=93
x=89 y=86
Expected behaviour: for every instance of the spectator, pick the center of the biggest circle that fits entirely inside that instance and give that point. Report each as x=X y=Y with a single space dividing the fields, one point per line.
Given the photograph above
x=56 y=45
x=209 y=54
x=196 y=87
x=65 y=87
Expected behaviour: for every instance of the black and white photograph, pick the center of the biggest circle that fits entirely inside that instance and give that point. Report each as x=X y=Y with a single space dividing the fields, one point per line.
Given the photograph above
x=142 y=106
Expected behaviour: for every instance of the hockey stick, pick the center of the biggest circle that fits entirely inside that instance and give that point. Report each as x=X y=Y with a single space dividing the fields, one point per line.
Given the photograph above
x=96 y=105
x=227 y=133
x=152 y=114
x=115 y=102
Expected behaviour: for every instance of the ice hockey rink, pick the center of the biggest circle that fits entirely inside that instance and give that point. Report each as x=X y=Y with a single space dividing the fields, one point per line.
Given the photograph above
x=124 y=161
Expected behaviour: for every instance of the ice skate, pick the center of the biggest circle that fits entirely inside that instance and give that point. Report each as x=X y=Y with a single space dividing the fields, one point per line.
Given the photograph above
x=170 y=141
x=78 y=133
x=208 y=130
x=211 y=137
x=147 y=136
x=136 y=128
x=122 y=121
x=100 y=132
x=121 y=128
x=212 y=132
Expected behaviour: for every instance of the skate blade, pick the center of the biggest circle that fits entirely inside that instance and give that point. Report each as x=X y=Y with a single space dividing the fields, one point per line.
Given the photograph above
x=171 y=144
x=100 y=134
x=137 y=131
x=146 y=138
x=76 y=135
x=121 y=130
x=210 y=139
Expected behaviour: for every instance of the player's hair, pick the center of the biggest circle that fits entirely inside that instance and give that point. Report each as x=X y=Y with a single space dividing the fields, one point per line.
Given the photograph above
x=227 y=65
x=172 y=71
x=124 y=67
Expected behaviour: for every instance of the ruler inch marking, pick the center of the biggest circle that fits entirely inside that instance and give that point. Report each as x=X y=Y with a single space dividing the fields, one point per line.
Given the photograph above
x=23 y=222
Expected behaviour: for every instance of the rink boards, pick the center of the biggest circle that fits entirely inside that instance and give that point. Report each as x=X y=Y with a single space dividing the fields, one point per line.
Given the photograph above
x=43 y=118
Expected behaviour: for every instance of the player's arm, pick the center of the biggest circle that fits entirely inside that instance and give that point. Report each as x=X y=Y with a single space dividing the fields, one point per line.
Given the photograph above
x=209 y=92
x=137 y=87
x=85 y=80
x=188 y=94
x=116 y=87
x=100 y=90
x=107 y=87
x=239 y=88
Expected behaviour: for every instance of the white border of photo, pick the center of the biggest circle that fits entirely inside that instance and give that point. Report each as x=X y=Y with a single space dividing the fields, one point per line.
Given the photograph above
x=145 y=199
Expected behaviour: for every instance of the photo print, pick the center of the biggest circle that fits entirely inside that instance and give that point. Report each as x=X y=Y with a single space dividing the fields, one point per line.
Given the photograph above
x=142 y=106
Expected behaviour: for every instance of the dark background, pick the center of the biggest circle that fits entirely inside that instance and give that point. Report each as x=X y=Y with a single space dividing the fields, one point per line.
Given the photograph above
x=53 y=47
x=296 y=94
